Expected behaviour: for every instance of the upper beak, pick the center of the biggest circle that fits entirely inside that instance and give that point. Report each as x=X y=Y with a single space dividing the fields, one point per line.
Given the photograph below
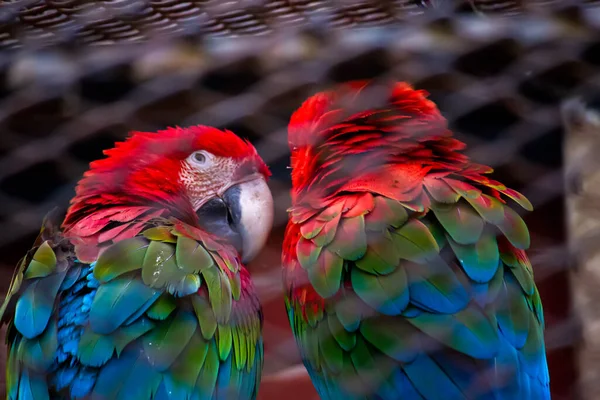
x=243 y=215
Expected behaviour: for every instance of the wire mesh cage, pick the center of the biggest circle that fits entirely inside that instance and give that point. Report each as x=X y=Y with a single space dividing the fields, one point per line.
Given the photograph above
x=76 y=76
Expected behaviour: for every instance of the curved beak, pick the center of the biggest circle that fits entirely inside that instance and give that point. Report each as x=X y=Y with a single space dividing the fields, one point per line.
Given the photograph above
x=243 y=215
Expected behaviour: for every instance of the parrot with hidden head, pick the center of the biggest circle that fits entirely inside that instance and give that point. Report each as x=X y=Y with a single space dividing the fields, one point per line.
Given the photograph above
x=141 y=293
x=405 y=269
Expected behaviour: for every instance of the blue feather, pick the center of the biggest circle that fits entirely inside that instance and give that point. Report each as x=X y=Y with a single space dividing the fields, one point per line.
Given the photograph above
x=435 y=287
x=35 y=305
x=136 y=315
x=86 y=378
x=129 y=377
x=429 y=380
x=73 y=274
x=32 y=387
x=116 y=301
x=404 y=386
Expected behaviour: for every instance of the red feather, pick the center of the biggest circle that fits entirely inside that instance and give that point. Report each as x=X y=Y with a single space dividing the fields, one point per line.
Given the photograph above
x=395 y=150
x=323 y=137
x=139 y=181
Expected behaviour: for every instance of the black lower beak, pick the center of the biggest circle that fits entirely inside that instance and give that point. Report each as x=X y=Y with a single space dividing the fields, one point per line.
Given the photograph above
x=243 y=216
x=220 y=218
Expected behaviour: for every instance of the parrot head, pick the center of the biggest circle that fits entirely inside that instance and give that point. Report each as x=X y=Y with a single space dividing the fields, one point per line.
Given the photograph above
x=200 y=175
x=366 y=137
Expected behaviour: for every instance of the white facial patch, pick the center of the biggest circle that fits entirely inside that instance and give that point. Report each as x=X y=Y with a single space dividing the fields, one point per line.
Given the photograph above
x=203 y=183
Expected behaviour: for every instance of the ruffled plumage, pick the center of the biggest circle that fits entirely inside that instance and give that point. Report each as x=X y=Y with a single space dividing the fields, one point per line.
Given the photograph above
x=404 y=264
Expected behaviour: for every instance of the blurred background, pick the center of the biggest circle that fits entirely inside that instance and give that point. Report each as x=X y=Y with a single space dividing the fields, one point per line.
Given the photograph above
x=78 y=75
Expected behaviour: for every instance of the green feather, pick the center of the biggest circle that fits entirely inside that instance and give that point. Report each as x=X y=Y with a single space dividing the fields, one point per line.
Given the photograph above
x=331 y=352
x=372 y=372
x=437 y=231
x=311 y=347
x=38 y=353
x=13 y=367
x=307 y=253
x=160 y=267
x=490 y=208
x=127 y=334
x=235 y=281
x=461 y=221
x=313 y=315
x=35 y=306
x=495 y=284
x=191 y=256
x=161 y=234
x=388 y=294
x=512 y=312
x=345 y=339
x=387 y=212
x=441 y=191
x=350 y=241
x=205 y=315
x=224 y=341
x=326 y=274
x=348 y=310
x=116 y=301
x=537 y=307
x=514 y=229
x=520 y=271
x=95 y=350
x=465 y=189
x=467 y=331
x=219 y=291
x=43 y=262
x=435 y=286
x=382 y=256
x=327 y=233
x=393 y=336
x=33 y=386
x=334 y=211
x=253 y=336
x=124 y=256
x=187 y=285
x=188 y=366
x=240 y=348
x=311 y=228
x=415 y=242
x=162 y=308
x=207 y=379
x=166 y=341
x=533 y=350
x=518 y=198
x=479 y=260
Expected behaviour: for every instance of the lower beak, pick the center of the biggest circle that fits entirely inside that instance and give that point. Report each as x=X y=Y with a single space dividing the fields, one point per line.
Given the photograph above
x=243 y=215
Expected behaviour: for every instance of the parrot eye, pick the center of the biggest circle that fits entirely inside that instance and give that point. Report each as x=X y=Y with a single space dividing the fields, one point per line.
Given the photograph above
x=200 y=158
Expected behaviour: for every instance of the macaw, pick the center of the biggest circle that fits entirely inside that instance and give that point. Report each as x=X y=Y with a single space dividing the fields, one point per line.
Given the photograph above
x=405 y=270
x=141 y=292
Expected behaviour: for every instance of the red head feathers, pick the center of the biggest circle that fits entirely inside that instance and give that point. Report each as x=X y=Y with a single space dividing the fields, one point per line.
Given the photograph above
x=144 y=177
x=339 y=142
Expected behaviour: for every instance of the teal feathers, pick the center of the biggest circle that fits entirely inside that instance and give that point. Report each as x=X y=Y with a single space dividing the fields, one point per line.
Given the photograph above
x=155 y=317
x=426 y=305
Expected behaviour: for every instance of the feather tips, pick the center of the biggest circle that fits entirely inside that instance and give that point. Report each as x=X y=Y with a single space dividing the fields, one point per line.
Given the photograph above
x=141 y=340
x=460 y=288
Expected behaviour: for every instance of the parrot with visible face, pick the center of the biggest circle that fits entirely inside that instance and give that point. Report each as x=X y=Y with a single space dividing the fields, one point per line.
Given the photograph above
x=404 y=264
x=141 y=292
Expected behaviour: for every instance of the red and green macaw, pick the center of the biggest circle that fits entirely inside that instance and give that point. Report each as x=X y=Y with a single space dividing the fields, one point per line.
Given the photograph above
x=141 y=293
x=405 y=269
